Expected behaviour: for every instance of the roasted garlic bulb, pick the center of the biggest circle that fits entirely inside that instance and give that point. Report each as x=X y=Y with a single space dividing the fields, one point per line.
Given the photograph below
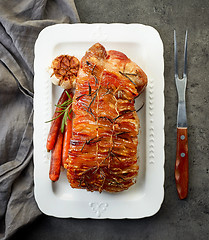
x=65 y=69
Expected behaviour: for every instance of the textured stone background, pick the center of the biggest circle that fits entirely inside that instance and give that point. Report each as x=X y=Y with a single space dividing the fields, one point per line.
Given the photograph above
x=177 y=219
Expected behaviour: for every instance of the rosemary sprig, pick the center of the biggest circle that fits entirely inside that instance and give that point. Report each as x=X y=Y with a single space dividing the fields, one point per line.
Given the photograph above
x=92 y=72
x=93 y=69
x=140 y=107
x=89 y=94
x=127 y=111
x=120 y=115
x=89 y=89
x=63 y=110
x=106 y=157
x=114 y=155
x=54 y=118
x=81 y=96
x=88 y=108
x=60 y=111
x=96 y=80
x=92 y=101
x=64 y=120
x=125 y=75
x=90 y=141
x=88 y=63
x=131 y=74
x=69 y=113
x=95 y=90
x=121 y=133
x=90 y=111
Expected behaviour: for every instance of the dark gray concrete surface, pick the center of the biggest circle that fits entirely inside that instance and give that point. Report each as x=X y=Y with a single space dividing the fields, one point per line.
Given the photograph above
x=177 y=219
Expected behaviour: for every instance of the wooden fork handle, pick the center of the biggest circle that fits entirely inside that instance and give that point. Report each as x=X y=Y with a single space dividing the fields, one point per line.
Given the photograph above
x=182 y=164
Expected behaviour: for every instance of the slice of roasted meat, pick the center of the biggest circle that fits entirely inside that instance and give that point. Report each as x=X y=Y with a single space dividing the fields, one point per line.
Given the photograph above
x=103 y=149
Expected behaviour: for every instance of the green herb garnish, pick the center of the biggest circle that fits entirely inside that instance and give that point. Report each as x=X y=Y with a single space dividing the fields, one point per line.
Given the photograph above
x=126 y=75
x=63 y=110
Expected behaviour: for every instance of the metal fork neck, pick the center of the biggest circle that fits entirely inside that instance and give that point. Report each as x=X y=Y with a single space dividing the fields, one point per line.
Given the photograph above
x=181 y=89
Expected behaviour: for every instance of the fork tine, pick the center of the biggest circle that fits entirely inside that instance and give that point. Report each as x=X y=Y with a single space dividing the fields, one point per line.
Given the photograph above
x=185 y=56
x=175 y=55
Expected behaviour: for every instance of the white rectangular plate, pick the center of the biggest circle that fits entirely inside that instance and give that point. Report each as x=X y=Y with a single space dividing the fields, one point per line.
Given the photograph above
x=143 y=45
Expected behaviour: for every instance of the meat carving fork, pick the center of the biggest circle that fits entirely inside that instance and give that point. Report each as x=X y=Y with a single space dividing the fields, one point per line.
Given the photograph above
x=182 y=165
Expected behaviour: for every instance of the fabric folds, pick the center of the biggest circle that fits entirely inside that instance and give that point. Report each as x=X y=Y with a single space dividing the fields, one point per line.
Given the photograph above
x=20 y=23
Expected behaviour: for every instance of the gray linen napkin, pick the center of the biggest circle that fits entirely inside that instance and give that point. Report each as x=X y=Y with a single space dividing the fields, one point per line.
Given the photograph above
x=20 y=23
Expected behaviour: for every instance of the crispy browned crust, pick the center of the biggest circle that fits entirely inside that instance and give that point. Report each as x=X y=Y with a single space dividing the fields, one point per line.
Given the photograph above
x=103 y=149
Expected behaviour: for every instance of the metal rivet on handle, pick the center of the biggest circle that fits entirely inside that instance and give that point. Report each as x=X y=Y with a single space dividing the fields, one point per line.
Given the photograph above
x=182 y=137
x=182 y=154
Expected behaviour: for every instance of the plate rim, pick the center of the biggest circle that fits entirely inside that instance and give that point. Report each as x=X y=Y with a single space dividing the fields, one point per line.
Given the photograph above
x=40 y=40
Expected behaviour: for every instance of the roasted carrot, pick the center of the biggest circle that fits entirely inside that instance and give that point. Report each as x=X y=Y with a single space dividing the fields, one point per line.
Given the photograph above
x=56 y=123
x=67 y=134
x=56 y=158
